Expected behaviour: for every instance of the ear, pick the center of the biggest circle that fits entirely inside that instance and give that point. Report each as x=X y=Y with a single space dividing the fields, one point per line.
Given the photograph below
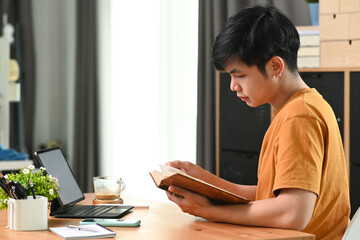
x=276 y=65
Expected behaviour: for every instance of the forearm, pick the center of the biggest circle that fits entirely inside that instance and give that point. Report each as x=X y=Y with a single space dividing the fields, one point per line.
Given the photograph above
x=284 y=211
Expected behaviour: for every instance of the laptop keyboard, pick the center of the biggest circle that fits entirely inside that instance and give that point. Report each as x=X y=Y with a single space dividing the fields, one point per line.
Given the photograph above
x=83 y=210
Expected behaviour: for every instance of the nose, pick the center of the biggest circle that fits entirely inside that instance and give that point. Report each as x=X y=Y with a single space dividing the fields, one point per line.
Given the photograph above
x=234 y=86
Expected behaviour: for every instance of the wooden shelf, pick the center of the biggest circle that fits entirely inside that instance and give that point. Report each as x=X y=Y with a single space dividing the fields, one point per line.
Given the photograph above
x=14 y=164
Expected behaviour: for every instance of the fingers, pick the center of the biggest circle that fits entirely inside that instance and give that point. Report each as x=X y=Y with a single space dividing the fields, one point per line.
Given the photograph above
x=171 y=196
x=188 y=201
x=180 y=164
x=177 y=191
x=178 y=196
x=174 y=163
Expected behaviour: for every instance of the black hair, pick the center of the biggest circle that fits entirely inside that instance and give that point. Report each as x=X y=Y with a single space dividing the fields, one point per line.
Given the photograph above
x=255 y=35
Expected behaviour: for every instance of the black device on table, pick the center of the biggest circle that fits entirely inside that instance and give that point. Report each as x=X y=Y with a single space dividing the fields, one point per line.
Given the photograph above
x=70 y=193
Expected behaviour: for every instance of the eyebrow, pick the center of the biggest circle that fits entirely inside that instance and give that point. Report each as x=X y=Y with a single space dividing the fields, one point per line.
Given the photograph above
x=234 y=71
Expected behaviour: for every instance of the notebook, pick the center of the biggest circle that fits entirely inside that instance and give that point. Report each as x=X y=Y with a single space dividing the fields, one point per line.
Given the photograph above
x=70 y=193
x=79 y=232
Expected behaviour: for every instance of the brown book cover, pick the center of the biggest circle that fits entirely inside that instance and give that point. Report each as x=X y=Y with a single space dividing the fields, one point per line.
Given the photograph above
x=172 y=176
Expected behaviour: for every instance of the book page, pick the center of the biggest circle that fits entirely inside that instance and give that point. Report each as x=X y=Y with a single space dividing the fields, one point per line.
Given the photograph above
x=168 y=171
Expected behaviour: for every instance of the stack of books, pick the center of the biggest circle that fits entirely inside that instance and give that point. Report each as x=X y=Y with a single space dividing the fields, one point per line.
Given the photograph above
x=309 y=52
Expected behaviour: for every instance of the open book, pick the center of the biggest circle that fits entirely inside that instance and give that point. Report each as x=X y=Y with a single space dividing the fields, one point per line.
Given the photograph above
x=173 y=176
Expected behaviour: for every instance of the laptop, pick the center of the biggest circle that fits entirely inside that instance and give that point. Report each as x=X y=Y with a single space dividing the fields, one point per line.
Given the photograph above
x=70 y=193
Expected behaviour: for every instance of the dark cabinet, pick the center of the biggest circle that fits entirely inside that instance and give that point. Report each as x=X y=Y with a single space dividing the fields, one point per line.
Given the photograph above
x=354 y=188
x=354 y=141
x=331 y=86
x=239 y=167
x=241 y=130
x=355 y=118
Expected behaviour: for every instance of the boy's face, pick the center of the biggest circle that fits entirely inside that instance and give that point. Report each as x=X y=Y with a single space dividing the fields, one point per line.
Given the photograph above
x=250 y=84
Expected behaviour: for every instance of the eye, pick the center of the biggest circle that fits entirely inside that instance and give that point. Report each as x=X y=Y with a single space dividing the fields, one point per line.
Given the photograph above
x=240 y=76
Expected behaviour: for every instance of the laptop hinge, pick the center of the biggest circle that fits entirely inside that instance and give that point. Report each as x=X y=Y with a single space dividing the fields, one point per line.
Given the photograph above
x=55 y=207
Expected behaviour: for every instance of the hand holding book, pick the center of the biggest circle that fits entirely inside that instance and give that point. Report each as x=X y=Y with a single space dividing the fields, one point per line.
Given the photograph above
x=173 y=176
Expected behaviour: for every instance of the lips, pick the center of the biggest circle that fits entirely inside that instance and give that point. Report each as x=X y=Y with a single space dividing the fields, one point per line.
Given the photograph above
x=243 y=98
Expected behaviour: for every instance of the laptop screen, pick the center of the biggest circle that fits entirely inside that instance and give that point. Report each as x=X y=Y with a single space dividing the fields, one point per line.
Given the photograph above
x=54 y=162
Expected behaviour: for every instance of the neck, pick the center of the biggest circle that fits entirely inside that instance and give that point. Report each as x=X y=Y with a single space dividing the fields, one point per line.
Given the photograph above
x=290 y=83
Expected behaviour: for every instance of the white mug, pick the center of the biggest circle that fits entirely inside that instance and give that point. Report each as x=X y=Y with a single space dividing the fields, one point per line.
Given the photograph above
x=28 y=214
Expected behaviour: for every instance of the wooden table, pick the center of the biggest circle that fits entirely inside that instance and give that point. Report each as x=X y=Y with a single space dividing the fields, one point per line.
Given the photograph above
x=160 y=221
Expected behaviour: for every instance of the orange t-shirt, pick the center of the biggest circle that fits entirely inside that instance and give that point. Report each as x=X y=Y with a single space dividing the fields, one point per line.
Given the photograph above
x=303 y=149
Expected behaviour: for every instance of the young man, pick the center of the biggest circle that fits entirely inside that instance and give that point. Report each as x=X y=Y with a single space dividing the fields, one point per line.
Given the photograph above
x=302 y=178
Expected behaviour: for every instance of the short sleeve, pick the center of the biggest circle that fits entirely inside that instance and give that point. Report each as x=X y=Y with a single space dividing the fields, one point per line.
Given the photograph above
x=300 y=154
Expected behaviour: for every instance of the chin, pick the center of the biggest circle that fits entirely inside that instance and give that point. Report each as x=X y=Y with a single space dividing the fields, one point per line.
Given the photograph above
x=251 y=104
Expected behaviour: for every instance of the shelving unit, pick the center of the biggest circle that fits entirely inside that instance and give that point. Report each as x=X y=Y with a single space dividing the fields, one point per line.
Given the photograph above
x=339 y=33
x=14 y=164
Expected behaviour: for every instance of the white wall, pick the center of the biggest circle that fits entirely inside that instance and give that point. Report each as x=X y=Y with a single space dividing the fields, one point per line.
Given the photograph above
x=151 y=96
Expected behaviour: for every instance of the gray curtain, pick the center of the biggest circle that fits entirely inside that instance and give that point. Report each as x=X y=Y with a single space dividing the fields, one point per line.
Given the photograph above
x=22 y=49
x=86 y=132
x=212 y=16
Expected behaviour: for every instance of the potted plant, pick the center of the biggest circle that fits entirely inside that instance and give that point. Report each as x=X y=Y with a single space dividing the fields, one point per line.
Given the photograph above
x=314 y=11
x=43 y=184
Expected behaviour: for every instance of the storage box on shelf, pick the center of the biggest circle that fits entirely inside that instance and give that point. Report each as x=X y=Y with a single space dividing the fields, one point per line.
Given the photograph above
x=309 y=52
x=339 y=33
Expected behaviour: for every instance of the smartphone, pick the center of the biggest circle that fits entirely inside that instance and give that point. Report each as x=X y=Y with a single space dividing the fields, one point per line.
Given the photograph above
x=110 y=222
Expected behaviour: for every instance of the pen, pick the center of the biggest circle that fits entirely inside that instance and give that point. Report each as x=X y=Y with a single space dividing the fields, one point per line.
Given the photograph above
x=9 y=190
x=4 y=185
x=16 y=190
x=20 y=191
x=13 y=191
x=32 y=188
x=82 y=228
